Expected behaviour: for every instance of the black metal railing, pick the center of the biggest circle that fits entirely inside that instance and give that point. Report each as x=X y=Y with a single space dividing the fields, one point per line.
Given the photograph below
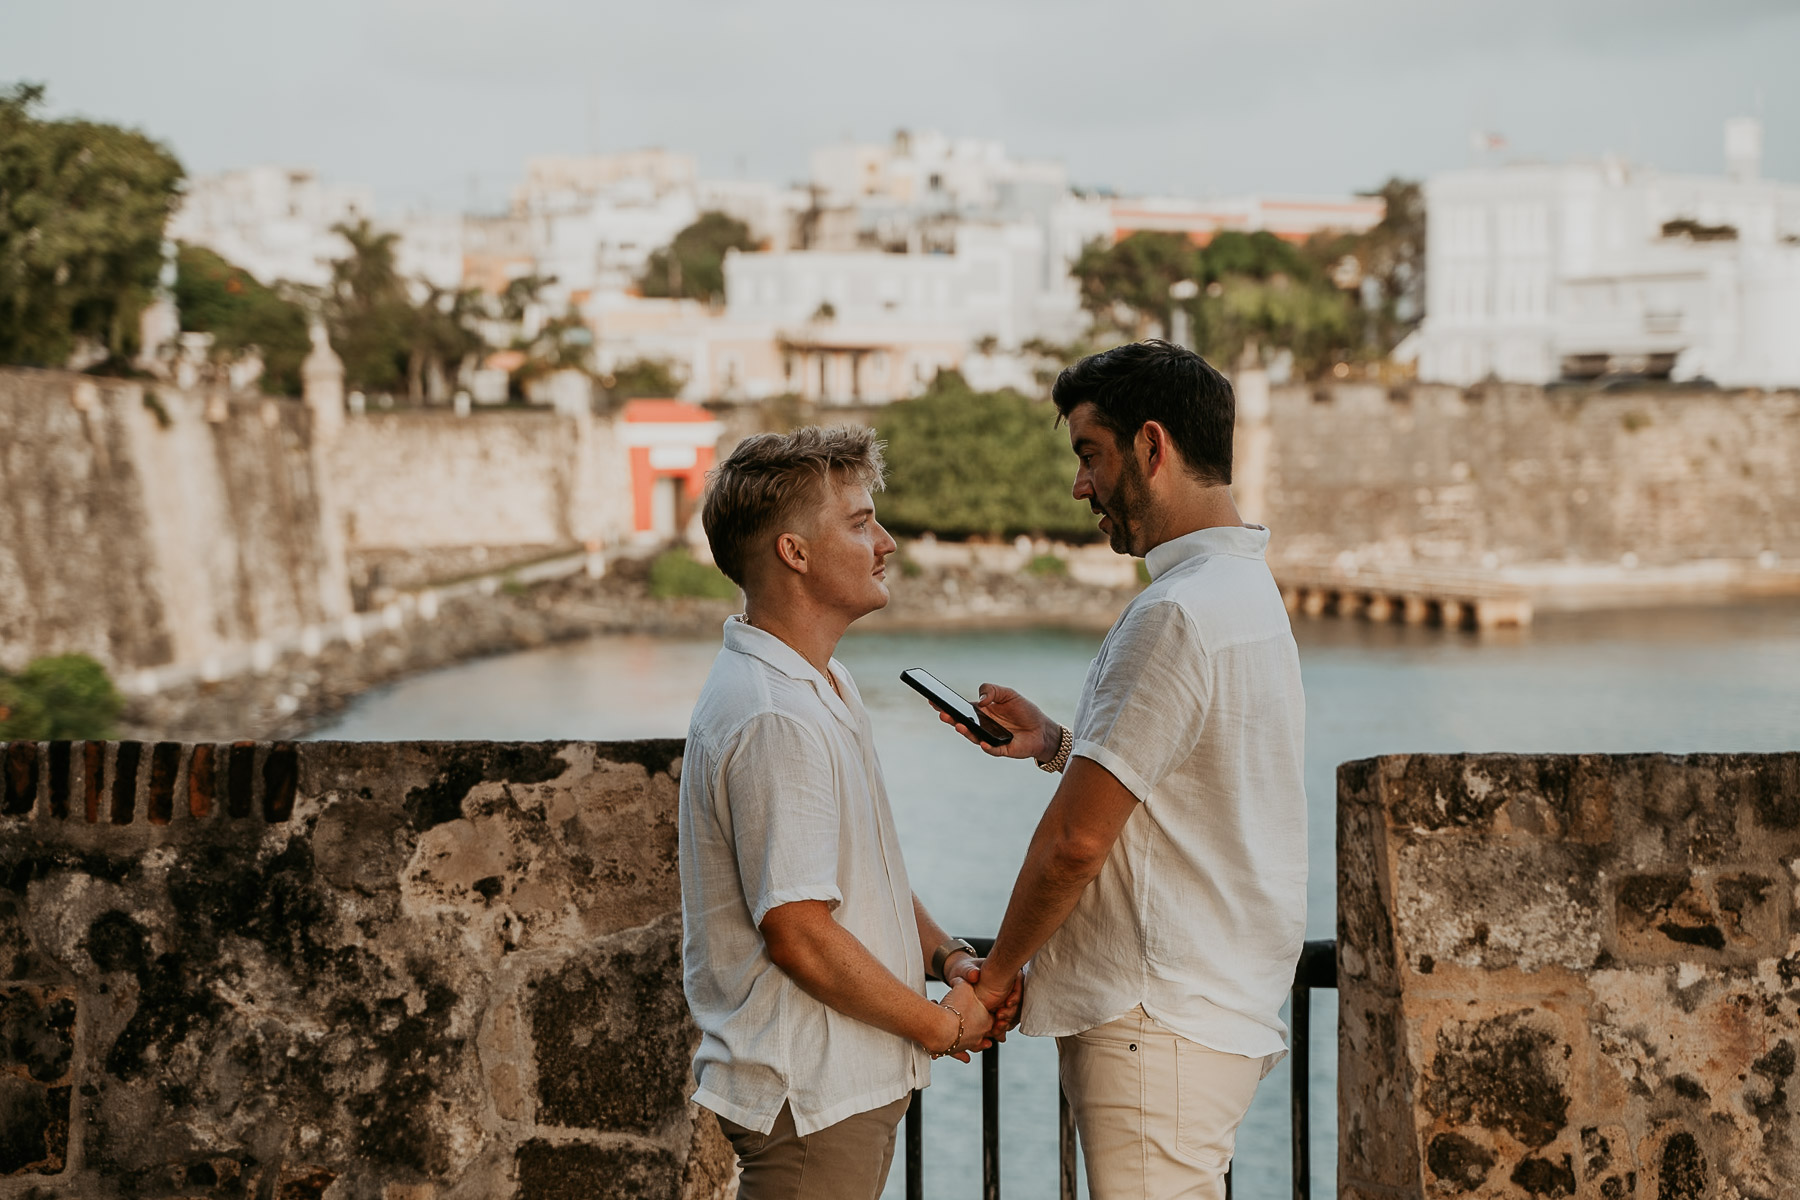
x=1317 y=969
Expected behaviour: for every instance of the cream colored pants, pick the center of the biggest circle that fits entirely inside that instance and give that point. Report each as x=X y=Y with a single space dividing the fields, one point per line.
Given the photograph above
x=1156 y=1113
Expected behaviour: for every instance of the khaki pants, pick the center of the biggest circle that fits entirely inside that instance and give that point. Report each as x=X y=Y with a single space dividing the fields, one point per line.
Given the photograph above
x=846 y=1161
x=1157 y=1114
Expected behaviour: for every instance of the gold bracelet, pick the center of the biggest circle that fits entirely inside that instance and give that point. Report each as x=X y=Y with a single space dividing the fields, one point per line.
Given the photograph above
x=1060 y=759
x=959 y=1029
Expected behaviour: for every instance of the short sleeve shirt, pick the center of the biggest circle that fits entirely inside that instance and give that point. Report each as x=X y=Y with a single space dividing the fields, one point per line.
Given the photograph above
x=782 y=800
x=1194 y=704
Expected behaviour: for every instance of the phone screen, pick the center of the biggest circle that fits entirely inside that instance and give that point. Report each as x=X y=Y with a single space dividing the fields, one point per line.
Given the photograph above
x=946 y=700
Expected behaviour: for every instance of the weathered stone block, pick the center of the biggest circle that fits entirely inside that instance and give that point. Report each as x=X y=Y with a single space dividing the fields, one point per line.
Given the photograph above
x=37 y=1047
x=613 y=1036
x=34 y=1127
x=20 y=961
x=1595 y=979
x=18 y=778
x=548 y=1171
x=441 y=969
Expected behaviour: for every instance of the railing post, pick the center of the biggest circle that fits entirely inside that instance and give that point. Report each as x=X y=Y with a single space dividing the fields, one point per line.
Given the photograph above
x=1300 y=1077
x=1065 y=1145
x=990 y=1123
x=915 y=1147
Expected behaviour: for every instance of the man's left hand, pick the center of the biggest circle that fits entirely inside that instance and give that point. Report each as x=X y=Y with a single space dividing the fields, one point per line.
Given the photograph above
x=1003 y=1003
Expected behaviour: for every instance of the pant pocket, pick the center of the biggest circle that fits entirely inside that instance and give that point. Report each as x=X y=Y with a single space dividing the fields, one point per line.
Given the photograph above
x=745 y=1143
x=1212 y=1093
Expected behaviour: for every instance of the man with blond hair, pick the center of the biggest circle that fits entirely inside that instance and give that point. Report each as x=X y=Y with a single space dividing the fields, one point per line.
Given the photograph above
x=804 y=951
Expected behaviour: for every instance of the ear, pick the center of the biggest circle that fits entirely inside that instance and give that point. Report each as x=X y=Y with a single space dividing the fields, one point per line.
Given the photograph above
x=1154 y=448
x=791 y=549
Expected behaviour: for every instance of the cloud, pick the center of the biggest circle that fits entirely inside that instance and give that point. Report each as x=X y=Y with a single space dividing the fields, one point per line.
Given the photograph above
x=417 y=96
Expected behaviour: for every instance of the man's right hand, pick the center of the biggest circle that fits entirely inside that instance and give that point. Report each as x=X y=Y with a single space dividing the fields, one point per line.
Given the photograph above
x=975 y=1023
x=1034 y=734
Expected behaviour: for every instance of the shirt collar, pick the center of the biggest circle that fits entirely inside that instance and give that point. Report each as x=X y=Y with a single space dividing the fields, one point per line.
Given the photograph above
x=746 y=638
x=1245 y=541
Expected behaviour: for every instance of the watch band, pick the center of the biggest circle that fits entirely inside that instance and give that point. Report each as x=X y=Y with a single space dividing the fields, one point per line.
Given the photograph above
x=942 y=954
x=1056 y=762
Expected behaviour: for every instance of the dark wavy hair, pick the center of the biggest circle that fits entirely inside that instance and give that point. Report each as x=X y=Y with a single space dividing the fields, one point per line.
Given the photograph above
x=1156 y=381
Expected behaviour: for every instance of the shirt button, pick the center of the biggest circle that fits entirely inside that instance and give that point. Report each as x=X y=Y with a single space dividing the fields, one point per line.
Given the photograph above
x=1132 y=1047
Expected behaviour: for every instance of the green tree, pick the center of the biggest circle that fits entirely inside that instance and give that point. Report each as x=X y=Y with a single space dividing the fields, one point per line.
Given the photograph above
x=82 y=210
x=1134 y=274
x=66 y=697
x=1314 y=321
x=1259 y=255
x=443 y=332
x=1255 y=287
x=368 y=311
x=215 y=297
x=962 y=462
x=389 y=341
x=693 y=265
x=653 y=378
x=1393 y=255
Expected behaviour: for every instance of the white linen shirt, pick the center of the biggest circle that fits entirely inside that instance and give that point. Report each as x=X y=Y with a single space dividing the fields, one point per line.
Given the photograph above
x=782 y=800
x=1194 y=704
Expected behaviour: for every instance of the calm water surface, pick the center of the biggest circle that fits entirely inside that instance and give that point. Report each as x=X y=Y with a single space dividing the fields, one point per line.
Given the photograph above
x=1674 y=680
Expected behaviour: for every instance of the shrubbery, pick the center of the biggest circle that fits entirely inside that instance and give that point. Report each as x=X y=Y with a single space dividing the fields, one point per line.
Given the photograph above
x=66 y=697
x=676 y=573
x=963 y=463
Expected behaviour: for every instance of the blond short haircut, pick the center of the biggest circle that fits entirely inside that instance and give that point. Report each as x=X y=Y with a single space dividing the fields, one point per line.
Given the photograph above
x=766 y=485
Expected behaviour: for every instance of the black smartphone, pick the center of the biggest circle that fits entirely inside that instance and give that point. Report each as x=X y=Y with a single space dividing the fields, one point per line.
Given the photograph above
x=945 y=700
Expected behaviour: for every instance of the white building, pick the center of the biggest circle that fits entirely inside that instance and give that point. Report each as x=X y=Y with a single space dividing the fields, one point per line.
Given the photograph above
x=431 y=247
x=1292 y=218
x=858 y=327
x=1535 y=273
x=993 y=286
x=593 y=221
x=931 y=172
x=274 y=222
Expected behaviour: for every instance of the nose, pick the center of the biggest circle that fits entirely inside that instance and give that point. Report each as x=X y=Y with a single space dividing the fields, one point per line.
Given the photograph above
x=884 y=542
x=1084 y=486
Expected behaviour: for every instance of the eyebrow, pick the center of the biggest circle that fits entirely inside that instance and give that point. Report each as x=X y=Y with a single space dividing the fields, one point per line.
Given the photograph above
x=865 y=511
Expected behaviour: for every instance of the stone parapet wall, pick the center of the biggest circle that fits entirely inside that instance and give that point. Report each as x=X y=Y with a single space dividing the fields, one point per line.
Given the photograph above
x=395 y=971
x=145 y=525
x=1498 y=475
x=1569 y=976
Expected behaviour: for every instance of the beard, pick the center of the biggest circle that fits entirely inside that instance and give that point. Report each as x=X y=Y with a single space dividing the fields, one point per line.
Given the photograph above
x=1127 y=507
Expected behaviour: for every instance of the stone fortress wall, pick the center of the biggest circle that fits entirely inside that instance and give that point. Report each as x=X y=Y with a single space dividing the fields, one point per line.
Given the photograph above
x=158 y=528
x=1508 y=477
x=145 y=525
x=368 y=971
x=187 y=531
x=426 y=496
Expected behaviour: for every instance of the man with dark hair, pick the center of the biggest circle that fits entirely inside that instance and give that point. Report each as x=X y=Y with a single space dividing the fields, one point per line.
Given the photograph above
x=804 y=950
x=1162 y=902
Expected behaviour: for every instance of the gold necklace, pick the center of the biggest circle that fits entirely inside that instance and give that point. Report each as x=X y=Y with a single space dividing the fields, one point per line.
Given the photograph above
x=825 y=670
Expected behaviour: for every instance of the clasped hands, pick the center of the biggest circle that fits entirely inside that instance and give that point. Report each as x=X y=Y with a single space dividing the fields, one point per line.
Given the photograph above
x=988 y=1008
x=998 y=1000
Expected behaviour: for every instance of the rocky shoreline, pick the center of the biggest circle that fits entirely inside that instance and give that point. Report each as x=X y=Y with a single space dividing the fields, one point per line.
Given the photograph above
x=298 y=693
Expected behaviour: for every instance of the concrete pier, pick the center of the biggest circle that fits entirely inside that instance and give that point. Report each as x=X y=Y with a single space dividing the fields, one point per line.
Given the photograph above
x=1453 y=599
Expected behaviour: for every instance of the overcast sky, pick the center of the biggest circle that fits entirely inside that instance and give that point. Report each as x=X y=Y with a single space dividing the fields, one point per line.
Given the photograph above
x=433 y=102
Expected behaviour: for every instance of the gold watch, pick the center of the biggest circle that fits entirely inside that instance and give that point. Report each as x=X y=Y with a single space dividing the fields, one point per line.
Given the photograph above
x=1056 y=762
